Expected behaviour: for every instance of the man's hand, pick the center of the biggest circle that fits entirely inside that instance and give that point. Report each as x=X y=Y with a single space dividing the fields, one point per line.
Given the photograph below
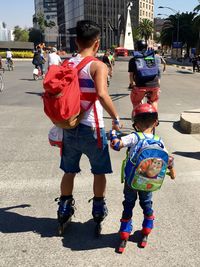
x=116 y=125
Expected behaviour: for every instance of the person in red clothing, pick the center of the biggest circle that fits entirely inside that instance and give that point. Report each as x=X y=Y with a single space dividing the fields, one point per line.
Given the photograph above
x=140 y=89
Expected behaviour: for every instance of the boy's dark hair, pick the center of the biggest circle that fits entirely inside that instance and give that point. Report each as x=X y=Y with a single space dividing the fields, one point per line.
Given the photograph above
x=146 y=120
x=87 y=32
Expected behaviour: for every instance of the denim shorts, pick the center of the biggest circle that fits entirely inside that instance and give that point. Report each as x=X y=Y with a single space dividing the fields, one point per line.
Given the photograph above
x=83 y=140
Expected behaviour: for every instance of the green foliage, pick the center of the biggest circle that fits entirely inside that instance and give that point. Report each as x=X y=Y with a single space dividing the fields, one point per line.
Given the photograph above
x=21 y=35
x=181 y=27
x=136 y=34
x=145 y=28
x=42 y=22
x=18 y=54
x=35 y=36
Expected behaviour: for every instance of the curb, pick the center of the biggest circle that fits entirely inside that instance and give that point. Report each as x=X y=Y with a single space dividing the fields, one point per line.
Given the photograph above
x=190 y=121
x=182 y=67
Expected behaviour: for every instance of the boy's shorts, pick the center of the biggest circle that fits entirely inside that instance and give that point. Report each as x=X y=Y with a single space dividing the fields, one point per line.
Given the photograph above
x=138 y=93
x=83 y=140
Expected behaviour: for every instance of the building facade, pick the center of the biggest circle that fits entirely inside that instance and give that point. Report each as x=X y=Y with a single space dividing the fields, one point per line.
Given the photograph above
x=5 y=34
x=49 y=9
x=109 y=14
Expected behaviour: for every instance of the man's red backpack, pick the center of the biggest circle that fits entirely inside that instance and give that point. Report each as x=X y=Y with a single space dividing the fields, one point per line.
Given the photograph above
x=62 y=94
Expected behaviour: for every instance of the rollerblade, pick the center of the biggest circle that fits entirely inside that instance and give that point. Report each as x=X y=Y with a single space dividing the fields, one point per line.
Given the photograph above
x=147 y=226
x=125 y=231
x=99 y=212
x=64 y=213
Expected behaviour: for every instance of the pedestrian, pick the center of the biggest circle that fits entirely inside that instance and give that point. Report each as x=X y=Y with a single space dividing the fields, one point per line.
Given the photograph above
x=1 y=64
x=159 y=61
x=145 y=118
x=83 y=139
x=107 y=61
x=53 y=57
x=195 y=64
x=143 y=86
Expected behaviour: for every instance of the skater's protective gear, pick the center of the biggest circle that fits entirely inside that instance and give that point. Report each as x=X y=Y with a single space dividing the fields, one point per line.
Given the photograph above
x=99 y=209
x=125 y=228
x=65 y=209
x=147 y=224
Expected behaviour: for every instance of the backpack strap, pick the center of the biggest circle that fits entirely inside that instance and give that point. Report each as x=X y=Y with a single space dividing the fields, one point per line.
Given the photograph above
x=79 y=67
x=156 y=137
x=85 y=61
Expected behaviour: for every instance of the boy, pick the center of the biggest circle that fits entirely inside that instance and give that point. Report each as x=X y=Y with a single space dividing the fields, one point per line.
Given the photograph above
x=83 y=139
x=145 y=119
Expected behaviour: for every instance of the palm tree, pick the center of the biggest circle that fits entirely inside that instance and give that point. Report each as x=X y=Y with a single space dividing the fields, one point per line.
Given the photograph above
x=197 y=25
x=197 y=8
x=146 y=28
x=179 y=27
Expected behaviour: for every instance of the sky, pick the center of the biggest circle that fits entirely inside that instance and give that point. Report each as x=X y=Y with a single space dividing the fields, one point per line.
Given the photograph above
x=178 y=5
x=17 y=12
x=20 y=12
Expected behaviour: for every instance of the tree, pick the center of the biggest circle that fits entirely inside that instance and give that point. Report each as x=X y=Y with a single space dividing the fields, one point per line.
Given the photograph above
x=145 y=29
x=136 y=34
x=197 y=26
x=37 y=35
x=197 y=8
x=179 y=27
x=21 y=35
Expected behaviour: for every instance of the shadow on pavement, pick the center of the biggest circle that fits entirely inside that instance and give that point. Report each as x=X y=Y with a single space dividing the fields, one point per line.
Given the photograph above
x=194 y=155
x=12 y=222
x=81 y=236
x=116 y=97
x=184 y=72
x=30 y=80
x=34 y=93
x=177 y=127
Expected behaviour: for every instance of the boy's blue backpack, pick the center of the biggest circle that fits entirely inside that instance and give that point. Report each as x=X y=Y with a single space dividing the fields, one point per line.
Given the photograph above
x=146 y=164
x=146 y=66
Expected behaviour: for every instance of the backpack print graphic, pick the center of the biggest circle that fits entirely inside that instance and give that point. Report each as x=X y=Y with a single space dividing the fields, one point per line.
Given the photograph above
x=146 y=165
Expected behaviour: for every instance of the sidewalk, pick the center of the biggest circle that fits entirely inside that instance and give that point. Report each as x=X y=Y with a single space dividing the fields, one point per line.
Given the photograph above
x=184 y=64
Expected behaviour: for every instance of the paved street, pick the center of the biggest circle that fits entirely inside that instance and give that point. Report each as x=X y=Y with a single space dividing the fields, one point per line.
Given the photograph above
x=30 y=180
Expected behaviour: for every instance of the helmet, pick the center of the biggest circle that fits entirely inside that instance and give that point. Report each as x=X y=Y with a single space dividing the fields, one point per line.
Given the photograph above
x=144 y=109
x=53 y=49
x=141 y=45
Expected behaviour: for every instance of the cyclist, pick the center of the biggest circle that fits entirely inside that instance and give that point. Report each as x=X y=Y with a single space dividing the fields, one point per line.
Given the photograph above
x=9 y=55
x=38 y=61
x=140 y=89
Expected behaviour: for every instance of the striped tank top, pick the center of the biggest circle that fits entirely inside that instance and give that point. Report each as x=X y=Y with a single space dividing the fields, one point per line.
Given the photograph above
x=87 y=85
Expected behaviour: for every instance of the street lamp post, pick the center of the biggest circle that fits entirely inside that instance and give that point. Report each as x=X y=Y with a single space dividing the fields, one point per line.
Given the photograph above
x=178 y=23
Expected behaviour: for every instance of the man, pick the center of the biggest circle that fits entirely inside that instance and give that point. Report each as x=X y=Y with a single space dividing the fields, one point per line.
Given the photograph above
x=83 y=139
x=54 y=58
x=141 y=87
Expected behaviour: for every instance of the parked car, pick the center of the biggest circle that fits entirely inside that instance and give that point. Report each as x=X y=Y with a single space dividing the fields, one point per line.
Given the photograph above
x=121 y=51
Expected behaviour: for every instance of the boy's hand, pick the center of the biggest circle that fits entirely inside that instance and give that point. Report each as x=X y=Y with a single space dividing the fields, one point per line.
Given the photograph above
x=172 y=173
x=114 y=141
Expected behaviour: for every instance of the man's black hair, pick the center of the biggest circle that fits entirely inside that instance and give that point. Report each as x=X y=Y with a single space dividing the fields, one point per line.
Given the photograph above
x=87 y=32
